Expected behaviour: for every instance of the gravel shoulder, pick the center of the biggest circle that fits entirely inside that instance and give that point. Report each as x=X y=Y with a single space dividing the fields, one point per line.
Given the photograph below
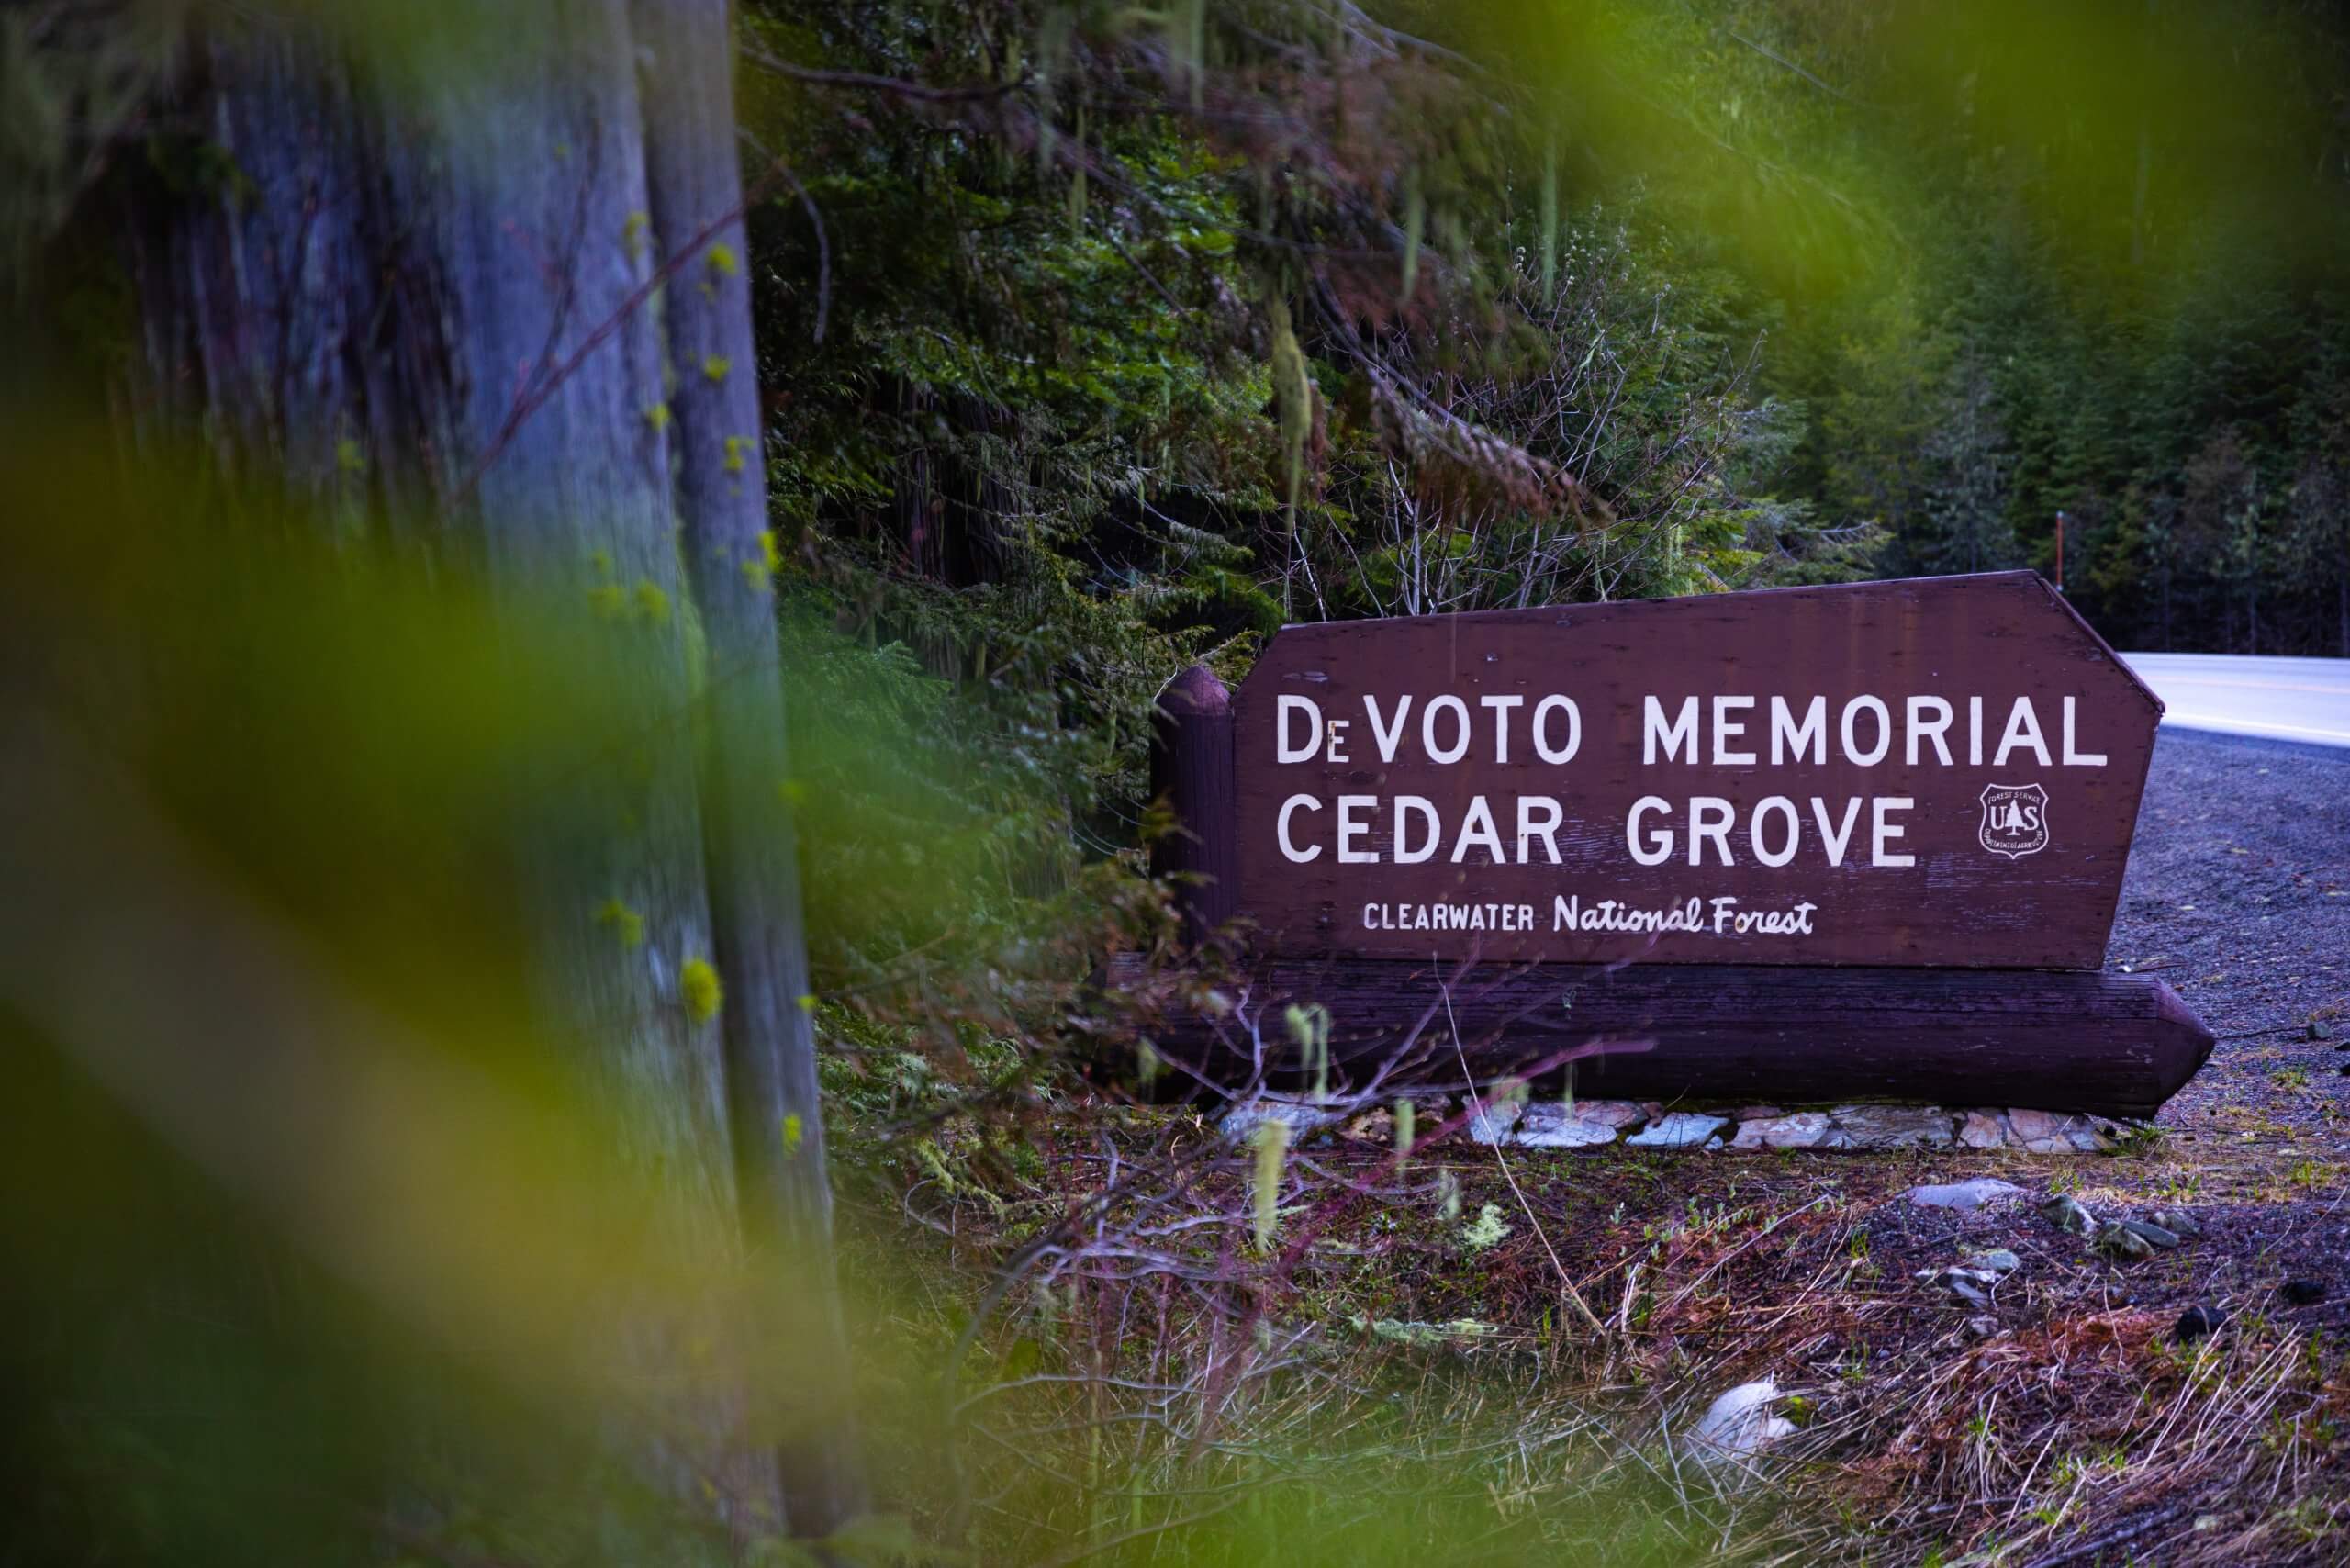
x=2238 y=895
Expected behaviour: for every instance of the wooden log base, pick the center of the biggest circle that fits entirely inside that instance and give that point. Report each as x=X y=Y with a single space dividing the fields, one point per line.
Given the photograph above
x=2102 y=1044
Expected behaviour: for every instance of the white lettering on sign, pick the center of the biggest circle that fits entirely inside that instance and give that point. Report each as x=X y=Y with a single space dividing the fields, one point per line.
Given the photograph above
x=1281 y=828
x=1501 y=707
x=1728 y=731
x=1352 y=828
x=2074 y=757
x=1447 y=917
x=1288 y=708
x=1931 y=729
x=1775 y=804
x=1711 y=820
x=2023 y=730
x=1809 y=735
x=1683 y=732
x=1538 y=817
x=1459 y=746
x=1386 y=733
x=1717 y=915
x=1543 y=747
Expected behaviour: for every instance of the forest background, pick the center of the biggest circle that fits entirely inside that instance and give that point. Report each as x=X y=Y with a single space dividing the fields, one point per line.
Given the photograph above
x=1091 y=342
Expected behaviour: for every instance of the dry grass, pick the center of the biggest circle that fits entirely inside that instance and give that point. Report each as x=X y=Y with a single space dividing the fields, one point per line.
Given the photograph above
x=1455 y=1359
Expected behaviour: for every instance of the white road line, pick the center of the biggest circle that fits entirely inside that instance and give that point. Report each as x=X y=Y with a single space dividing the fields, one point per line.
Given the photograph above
x=2254 y=685
x=2221 y=721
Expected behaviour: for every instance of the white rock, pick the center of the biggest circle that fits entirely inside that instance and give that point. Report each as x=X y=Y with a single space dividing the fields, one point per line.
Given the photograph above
x=1677 y=1129
x=1619 y=1114
x=1984 y=1129
x=1491 y=1122
x=1739 y=1424
x=1804 y=1129
x=1974 y=1286
x=2030 y=1124
x=2052 y=1132
x=1975 y=1194
x=1240 y=1123
x=1548 y=1124
x=1888 y=1126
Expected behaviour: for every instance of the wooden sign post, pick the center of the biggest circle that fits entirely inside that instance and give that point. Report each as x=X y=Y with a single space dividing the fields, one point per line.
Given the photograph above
x=1817 y=842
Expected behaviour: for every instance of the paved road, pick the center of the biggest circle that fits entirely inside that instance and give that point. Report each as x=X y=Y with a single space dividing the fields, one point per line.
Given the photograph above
x=2287 y=699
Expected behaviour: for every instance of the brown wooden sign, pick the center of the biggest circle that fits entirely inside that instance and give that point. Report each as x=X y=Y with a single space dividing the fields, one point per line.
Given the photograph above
x=1936 y=772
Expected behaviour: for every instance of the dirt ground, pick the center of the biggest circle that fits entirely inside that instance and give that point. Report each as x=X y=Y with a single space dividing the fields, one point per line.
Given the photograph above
x=2034 y=1431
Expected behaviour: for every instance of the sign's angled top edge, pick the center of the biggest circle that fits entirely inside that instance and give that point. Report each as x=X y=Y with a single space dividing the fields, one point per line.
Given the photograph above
x=1824 y=591
x=2064 y=607
x=2021 y=579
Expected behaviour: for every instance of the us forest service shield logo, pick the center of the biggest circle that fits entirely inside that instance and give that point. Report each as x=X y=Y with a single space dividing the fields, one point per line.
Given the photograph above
x=2015 y=820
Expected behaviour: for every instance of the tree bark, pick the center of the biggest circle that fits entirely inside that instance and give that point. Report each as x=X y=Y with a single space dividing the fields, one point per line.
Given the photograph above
x=424 y=294
x=773 y=1104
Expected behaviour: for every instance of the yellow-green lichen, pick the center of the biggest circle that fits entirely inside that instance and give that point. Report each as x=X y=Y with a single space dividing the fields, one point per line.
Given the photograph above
x=698 y=986
x=651 y=601
x=761 y=569
x=626 y=924
x=715 y=367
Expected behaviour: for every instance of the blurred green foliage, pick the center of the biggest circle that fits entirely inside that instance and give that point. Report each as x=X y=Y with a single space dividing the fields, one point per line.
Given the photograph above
x=1858 y=291
x=1094 y=342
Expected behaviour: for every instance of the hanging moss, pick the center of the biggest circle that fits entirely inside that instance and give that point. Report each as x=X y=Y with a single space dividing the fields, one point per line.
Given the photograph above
x=1294 y=401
